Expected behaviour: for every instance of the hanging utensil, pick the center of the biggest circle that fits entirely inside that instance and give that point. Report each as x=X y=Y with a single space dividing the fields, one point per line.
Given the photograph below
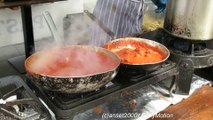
x=100 y=23
x=54 y=31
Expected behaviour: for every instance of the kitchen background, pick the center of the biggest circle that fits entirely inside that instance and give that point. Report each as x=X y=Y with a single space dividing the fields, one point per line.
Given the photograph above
x=11 y=23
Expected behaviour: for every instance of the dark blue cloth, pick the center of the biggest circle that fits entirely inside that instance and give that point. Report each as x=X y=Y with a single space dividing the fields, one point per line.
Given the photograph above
x=161 y=5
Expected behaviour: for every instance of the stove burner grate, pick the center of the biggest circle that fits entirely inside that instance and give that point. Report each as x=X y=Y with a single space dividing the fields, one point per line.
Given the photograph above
x=18 y=101
x=188 y=54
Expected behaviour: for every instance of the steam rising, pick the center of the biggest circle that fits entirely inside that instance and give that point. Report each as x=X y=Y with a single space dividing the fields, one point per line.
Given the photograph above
x=77 y=29
x=59 y=59
x=71 y=61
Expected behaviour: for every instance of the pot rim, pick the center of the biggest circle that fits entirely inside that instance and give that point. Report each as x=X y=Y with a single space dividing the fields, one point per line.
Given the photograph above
x=115 y=57
x=144 y=40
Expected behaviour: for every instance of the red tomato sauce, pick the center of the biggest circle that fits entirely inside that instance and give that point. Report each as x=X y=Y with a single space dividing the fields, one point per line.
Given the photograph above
x=71 y=61
x=135 y=52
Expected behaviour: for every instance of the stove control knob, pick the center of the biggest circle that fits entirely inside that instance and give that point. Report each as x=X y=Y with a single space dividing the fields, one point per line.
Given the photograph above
x=210 y=61
x=184 y=65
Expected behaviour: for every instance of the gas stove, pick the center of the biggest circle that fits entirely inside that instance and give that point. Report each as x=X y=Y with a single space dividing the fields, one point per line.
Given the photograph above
x=189 y=56
x=66 y=106
x=18 y=102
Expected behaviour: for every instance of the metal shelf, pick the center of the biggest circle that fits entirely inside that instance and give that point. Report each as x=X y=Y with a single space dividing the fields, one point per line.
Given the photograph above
x=24 y=2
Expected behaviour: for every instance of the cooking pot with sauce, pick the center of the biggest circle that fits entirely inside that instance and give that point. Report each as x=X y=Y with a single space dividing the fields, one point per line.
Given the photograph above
x=139 y=53
x=72 y=69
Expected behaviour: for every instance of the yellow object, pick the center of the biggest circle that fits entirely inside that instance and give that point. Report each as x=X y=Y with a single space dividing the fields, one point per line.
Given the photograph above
x=150 y=23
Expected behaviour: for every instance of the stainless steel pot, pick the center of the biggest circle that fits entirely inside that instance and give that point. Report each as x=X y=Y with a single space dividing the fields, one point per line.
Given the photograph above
x=190 y=19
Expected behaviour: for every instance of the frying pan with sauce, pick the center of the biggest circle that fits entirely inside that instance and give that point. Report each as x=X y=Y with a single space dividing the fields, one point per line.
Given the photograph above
x=72 y=69
x=139 y=53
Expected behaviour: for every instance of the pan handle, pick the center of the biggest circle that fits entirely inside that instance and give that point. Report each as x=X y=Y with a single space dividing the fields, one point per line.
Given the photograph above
x=100 y=23
x=48 y=18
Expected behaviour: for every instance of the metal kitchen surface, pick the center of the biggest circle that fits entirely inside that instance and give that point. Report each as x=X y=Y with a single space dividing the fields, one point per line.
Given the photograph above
x=140 y=105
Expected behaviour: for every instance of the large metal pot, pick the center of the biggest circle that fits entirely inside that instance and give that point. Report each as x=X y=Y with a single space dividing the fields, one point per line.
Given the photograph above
x=190 y=19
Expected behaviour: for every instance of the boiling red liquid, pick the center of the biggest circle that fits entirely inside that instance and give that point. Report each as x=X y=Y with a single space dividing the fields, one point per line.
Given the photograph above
x=71 y=61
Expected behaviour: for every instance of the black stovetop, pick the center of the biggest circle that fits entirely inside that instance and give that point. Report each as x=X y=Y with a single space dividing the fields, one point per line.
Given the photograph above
x=66 y=106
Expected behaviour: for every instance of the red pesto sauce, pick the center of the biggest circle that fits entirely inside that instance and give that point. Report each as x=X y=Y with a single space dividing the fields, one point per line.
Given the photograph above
x=71 y=61
x=135 y=52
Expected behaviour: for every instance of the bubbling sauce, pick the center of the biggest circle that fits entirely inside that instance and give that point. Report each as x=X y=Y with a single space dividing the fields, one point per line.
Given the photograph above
x=71 y=61
x=135 y=52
